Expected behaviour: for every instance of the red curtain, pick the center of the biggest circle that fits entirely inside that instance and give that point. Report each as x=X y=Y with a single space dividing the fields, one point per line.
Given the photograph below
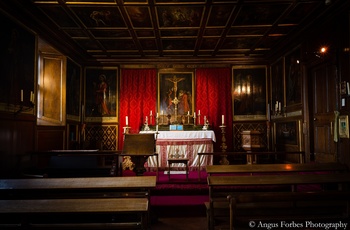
x=138 y=95
x=214 y=99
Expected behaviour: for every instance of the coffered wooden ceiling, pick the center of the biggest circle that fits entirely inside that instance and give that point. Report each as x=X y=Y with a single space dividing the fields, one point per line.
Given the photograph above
x=176 y=30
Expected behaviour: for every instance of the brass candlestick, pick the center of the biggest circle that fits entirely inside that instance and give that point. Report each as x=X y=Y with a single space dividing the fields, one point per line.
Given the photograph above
x=223 y=146
x=126 y=130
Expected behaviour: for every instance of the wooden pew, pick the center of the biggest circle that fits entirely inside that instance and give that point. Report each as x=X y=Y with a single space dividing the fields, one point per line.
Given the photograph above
x=275 y=168
x=75 y=163
x=77 y=188
x=34 y=213
x=292 y=180
x=276 y=153
x=280 y=207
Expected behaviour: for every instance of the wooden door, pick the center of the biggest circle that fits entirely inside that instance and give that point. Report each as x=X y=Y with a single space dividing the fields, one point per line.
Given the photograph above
x=322 y=115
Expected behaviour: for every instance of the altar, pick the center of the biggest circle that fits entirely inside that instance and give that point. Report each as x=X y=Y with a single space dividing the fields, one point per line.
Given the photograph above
x=182 y=144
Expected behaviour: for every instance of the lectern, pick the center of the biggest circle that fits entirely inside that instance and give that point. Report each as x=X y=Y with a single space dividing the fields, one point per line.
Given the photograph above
x=139 y=147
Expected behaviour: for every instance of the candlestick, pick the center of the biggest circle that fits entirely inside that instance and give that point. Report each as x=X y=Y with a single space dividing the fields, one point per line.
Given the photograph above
x=224 y=160
x=194 y=119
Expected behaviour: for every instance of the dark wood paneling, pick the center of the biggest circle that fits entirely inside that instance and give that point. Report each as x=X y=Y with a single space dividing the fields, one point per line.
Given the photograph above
x=16 y=140
x=50 y=137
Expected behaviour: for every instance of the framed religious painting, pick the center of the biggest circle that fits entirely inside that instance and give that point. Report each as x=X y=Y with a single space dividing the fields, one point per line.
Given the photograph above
x=249 y=92
x=17 y=61
x=288 y=135
x=344 y=126
x=293 y=78
x=277 y=86
x=175 y=94
x=100 y=87
x=73 y=91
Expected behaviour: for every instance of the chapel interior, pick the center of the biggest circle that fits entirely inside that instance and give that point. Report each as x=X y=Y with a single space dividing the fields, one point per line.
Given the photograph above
x=239 y=76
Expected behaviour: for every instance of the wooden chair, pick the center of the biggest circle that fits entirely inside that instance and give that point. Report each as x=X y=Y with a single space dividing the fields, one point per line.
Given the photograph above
x=177 y=159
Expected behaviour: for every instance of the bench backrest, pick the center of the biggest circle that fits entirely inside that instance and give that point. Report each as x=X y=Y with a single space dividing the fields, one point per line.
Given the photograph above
x=278 y=168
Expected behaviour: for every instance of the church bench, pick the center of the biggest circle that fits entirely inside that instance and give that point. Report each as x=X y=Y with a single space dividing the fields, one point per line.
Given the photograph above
x=222 y=186
x=78 y=213
x=276 y=153
x=69 y=188
x=78 y=185
x=282 y=208
x=75 y=163
x=275 y=168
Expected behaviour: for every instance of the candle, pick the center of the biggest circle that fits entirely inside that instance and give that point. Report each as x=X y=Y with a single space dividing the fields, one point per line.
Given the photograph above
x=199 y=112
x=157 y=115
x=156 y=128
x=150 y=113
x=279 y=106
x=21 y=95
x=127 y=121
x=205 y=119
x=276 y=106
x=161 y=112
x=194 y=114
x=31 y=99
x=188 y=112
x=222 y=119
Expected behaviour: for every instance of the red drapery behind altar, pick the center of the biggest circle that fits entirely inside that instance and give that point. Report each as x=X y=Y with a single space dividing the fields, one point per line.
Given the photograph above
x=138 y=95
x=214 y=99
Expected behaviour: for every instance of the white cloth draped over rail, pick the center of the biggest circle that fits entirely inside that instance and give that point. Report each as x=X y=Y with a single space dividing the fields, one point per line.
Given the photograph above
x=182 y=144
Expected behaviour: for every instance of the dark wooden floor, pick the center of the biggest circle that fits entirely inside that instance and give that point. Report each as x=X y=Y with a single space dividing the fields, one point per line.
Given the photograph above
x=179 y=217
x=179 y=223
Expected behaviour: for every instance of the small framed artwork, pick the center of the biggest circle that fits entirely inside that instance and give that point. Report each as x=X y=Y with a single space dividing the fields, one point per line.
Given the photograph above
x=344 y=126
x=277 y=83
x=176 y=89
x=101 y=94
x=293 y=78
x=73 y=91
x=249 y=92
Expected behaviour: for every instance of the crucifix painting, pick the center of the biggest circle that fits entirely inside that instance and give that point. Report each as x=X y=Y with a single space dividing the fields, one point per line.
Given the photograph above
x=175 y=93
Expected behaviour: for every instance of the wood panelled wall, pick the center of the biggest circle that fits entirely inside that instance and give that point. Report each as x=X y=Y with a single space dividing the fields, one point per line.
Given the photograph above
x=16 y=139
x=20 y=134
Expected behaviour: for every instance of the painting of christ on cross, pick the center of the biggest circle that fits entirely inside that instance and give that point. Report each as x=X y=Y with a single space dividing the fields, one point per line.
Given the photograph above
x=176 y=93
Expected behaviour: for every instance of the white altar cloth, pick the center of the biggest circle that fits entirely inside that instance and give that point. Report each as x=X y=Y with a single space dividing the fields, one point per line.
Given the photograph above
x=183 y=144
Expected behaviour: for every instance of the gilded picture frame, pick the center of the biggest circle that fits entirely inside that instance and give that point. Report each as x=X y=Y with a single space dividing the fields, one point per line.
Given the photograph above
x=100 y=93
x=176 y=84
x=277 y=85
x=73 y=91
x=287 y=133
x=249 y=92
x=344 y=126
x=17 y=58
x=293 y=78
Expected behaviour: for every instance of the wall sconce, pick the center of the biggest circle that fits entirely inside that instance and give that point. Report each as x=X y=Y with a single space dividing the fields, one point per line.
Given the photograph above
x=321 y=52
